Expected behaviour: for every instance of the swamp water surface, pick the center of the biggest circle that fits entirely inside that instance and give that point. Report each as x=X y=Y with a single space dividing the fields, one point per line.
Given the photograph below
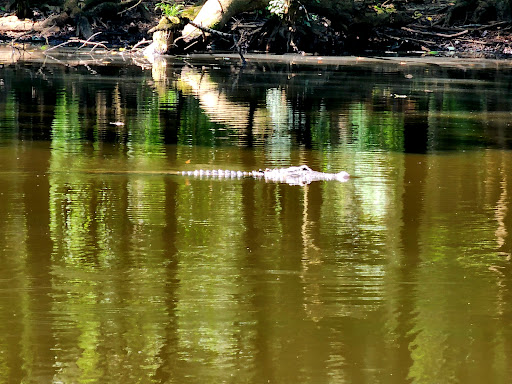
x=115 y=270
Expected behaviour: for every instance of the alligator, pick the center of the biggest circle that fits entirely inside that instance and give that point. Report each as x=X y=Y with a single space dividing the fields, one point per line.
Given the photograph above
x=301 y=175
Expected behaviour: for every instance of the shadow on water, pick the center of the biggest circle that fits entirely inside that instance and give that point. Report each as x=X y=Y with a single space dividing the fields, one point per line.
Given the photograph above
x=115 y=268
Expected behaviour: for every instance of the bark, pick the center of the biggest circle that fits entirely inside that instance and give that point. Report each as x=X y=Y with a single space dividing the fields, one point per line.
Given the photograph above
x=215 y=14
x=163 y=35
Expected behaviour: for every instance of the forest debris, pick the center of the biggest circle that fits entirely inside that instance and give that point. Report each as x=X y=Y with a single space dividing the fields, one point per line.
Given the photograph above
x=17 y=28
x=479 y=27
x=13 y=24
x=140 y=43
x=57 y=20
x=424 y=44
x=437 y=27
x=212 y=31
x=435 y=33
x=254 y=31
x=129 y=8
x=238 y=41
x=84 y=43
x=480 y=42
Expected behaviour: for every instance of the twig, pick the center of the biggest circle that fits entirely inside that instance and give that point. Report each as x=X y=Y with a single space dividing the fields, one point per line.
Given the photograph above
x=143 y=41
x=96 y=45
x=191 y=45
x=88 y=40
x=84 y=43
x=127 y=9
x=472 y=41
x=212 y=31
x=236 y=40
x=58 y=45
x=435 y=33
x=177 y=39
x=407 y=39
x=479 y=27
x=436 y=27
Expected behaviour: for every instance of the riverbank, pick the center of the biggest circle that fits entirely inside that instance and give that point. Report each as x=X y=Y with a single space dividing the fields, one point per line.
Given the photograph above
x=424 y=37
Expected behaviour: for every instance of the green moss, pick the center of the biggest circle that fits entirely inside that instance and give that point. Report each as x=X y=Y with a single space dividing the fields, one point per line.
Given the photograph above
x=191 y=12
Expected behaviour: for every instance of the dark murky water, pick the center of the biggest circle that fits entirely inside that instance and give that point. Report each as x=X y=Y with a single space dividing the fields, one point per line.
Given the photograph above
x=116 y=270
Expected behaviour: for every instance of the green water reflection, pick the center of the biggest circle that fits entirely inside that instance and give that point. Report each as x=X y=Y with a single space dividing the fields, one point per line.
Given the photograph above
x=116 y=270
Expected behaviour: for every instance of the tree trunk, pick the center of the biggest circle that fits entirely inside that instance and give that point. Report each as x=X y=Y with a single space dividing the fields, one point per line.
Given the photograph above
x=215 y=14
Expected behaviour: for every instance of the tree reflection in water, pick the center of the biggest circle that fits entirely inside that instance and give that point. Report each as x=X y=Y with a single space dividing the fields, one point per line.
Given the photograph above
x=129 y=273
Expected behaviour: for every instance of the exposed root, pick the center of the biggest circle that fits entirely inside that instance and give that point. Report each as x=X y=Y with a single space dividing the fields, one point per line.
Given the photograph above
x=239 y=41
x=421 y=27
x=489 y=40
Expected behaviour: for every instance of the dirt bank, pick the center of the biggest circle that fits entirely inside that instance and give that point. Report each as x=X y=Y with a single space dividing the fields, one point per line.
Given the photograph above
x=427 y=35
